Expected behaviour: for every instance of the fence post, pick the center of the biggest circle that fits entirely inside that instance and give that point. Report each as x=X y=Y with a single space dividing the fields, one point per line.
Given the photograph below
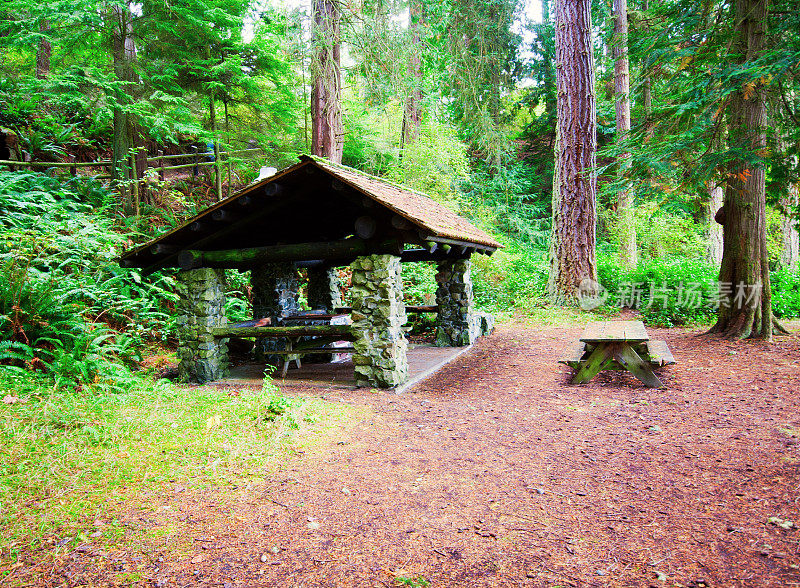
x=161 y=165
x=134 y=182
x=229 y=175
x=194 y=159
x=73 y=170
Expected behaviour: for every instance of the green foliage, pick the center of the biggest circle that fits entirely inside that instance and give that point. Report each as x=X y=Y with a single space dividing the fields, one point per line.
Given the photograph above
x=785 y=293
x=417 y=581
x=667 y=292
x=662 y=231
x=512 y=278
x=61 y=290
x=238 y=306
x=505 y=199
x=419 y=283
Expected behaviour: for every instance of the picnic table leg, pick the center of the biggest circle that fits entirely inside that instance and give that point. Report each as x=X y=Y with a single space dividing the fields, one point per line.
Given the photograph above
x=592 y=365
x=287 y=358
x=626 y=356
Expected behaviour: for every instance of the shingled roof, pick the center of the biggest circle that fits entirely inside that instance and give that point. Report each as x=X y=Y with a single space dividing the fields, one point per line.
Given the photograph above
x=414 y=206
x=312 y=201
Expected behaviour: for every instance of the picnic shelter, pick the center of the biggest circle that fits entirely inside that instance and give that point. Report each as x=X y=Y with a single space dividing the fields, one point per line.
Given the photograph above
x=319 y=216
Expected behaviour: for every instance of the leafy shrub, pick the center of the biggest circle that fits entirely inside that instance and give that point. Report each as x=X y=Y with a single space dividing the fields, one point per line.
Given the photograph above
x=61 y=290
x=419 y=283
x=785 y=293
x=515 y=277
x=667 y=292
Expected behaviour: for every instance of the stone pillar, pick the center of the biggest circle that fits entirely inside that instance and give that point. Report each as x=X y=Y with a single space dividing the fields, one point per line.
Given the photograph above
x=323 y=288
x=201 y=307
x=378 y=316
x=458 y=323
x=275 y=290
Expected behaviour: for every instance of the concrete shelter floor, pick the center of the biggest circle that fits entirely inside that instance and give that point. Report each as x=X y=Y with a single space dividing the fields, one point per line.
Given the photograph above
x=423 y=361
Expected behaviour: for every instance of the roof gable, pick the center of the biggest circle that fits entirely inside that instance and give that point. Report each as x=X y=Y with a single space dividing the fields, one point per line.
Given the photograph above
x=312 y=201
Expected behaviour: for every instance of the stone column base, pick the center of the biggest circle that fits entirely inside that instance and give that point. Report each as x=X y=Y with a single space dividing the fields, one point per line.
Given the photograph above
x=458 y=324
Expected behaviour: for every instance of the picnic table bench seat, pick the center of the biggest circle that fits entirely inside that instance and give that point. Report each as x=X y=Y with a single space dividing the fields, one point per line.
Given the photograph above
x=657 y=353
x=573 y=354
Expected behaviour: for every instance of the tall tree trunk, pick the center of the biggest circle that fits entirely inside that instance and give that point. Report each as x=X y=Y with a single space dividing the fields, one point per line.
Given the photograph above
x=791 y=239
x=573 y=263
x=44 y=51
x=124 y=54
x=746 y=297
x=412 y=115
x=622 y=88
x=647 y=88
x=549 y=71
x=327 y=133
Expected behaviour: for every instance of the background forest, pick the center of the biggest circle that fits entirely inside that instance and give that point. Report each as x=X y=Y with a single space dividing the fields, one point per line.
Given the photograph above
x=456 y=99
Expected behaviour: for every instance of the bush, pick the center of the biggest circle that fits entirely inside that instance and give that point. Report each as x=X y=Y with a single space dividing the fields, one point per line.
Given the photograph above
x=419 y=283
x=785 y=293
x=667 y=292
x=515 y=277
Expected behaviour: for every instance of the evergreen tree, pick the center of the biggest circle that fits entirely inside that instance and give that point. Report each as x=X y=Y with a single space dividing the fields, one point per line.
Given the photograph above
x=625 y=204
x=746 y=309
x=327 y=133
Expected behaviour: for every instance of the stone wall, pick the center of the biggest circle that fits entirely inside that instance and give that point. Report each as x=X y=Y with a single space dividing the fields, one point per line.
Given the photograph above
x=378 y=316
x=275 y=289
x=201 y=307
x=458 y=323
x=323 y=288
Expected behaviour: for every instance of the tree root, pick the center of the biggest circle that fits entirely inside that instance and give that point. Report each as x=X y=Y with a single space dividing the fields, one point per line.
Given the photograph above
x=778 y=328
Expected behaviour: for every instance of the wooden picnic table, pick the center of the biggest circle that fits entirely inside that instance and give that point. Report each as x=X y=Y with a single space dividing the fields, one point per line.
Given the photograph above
x=320 y=337
x=618 y=345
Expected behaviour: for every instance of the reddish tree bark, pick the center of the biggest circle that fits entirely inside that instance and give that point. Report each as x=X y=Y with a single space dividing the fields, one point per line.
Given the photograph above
x=572 y=248
x=745 y=295
x=327 y=133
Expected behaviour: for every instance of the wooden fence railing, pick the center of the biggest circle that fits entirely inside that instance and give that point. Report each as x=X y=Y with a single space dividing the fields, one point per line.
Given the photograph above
x=140 y=166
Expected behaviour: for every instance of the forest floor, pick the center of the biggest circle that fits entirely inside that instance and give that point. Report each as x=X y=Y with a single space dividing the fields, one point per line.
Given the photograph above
x=497 y=472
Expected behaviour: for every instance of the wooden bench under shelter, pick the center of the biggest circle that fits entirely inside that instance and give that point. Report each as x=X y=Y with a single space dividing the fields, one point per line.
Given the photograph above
x=617 y=345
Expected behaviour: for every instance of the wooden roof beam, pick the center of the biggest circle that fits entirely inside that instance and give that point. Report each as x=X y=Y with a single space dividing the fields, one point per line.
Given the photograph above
x=222 y=233
x=243 y=258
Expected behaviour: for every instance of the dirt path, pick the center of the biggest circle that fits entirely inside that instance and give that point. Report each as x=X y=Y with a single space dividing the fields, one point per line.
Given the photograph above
x=497 y=473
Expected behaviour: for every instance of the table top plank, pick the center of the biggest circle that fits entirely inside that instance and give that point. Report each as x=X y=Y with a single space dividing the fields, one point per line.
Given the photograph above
x=615 y=331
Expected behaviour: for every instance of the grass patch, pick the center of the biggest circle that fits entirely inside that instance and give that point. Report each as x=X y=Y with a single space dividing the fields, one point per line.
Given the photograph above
x=70 y=458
